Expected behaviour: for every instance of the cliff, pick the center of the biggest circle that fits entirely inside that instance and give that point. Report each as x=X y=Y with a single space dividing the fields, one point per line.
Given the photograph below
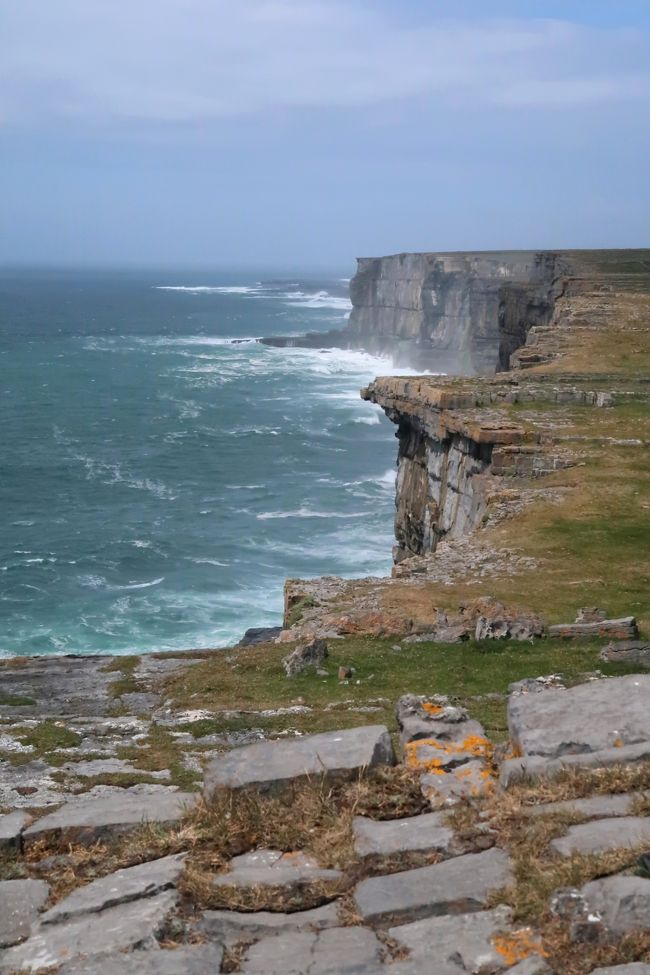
x=456 y=313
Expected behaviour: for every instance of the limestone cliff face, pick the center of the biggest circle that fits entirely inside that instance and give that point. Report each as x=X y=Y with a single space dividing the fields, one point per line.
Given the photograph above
x=460 y=314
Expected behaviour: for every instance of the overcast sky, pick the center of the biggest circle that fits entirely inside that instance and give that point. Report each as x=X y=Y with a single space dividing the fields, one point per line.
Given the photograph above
x=279 y=132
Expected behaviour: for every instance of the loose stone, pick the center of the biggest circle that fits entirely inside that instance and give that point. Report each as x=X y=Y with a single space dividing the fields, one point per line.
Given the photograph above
x=337 y=951
x=426 y=833
x=233 y=926
x=11 y=828
x=190 y=960
x=20 y=902
x=272 y=868
x=273 y=766
x=465 y=939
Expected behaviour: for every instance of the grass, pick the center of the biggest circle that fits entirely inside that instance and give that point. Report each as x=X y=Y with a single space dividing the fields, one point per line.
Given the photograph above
x=127 y=683
x=252 y=679
x=15 y=700
x=158 y=751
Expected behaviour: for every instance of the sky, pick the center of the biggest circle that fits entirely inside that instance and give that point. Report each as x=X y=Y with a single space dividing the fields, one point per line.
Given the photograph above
x=308 y=132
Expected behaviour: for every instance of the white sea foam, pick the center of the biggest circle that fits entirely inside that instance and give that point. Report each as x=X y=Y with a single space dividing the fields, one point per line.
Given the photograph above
x=371 y=421
x=204 y=289
x=189 y=558
x=142 y=585
x=319 y=299
x=304 y=512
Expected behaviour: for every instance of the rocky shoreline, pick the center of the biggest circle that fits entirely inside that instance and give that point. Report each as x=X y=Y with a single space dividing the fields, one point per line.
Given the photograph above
x=444 y=772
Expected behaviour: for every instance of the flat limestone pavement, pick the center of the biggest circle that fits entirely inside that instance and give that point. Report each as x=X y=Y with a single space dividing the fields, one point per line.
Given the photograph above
x=425 y=833
x=455 y=886
x=271 y=766
x=602 y=835
x=192 y=960
x=20 y=902
x=602 y=714
x=102 y=817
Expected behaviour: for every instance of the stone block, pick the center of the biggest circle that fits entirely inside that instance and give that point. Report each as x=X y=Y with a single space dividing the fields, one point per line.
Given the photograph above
x=594 y=807
x=336 y=951
x=470 y=781
x=621 y=629
x=104 y=817
x=187 y=960
x=272 y=868
x=426 y=834
x=623 y=903
x=234 y=926
x=272 y=766
x=608 y=713
x=11 y=828
x=122 y=928
x=627 y=652
x=120 y=887
x=603 y=835
x=462 y=939
x=636 y=968
x=20 y=902
x=536 y=767
x=455 y=886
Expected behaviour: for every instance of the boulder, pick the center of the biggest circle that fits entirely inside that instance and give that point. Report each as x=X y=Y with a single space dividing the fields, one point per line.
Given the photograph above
x=603 y=835
x=435 y=717
x=635 y=652
x=272 y=766
x=620 y=629
x=259 y=634
x=461 y=885
x=425 y=834
x=11 y=828
x=335 y=951
x=89 y=820
x=120 y=887
x=121 y=928
x=20 y=902
x=601 y=714
x=311 y=654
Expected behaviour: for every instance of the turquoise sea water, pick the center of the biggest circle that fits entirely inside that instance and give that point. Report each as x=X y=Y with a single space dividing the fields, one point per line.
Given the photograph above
x=163 y=473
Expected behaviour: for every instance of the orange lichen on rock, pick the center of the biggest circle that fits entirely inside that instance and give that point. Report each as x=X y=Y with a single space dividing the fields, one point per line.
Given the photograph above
x=518 y=945
x=433 y=709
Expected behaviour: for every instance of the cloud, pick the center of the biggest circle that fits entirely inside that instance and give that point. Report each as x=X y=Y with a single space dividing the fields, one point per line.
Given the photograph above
x=101 y=61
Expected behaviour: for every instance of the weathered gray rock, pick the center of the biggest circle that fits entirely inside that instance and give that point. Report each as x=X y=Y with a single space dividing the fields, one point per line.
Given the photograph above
x=233 y=926
x=461 y=939
x=537 y=767
x=189 y=960
x=336 y=951
x=602 y=835
x=620 y=629
x=121 y=887
x=425 y=833
x=108 y=766
x=311 y=654
x=421 y=717
x=20 y=902
x=272 y=868
x=273 y=765
x=594 y=807
x=121 y=928
x=601 y=714
x=104 y=817
x=627 y=652
x=535 y=965
x=622 y=902
x=636 y=968
x=455 y=886
x=11 y=828
x=470 y=781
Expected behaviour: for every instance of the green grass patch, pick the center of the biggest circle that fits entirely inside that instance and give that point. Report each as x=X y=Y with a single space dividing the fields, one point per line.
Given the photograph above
x=15 y=700
x=158 y=751
x=126 y=684
x=48 y=736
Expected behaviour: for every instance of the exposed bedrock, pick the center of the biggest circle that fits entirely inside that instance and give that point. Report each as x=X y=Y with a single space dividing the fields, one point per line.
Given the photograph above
x=456 y=313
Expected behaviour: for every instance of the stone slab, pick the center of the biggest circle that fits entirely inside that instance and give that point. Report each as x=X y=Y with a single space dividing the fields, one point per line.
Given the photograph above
x=623 y=903
x=594 y=807
x=426 y=833
x=537 y=767
x=106 y=816
x=336 y=951
x=11 y=827
x=462 y=939
x=627 y=651
x=229 y=926
x=272 y=765
x=120 y=887
x=602 y=835
x=189 y=960
x=624 y=628
x=272 y=868
x=636 y=968
x=20 y=902
x=455 y=886
x=535 y=965
x=601 y=714
x=121 y=928
x=470 y=781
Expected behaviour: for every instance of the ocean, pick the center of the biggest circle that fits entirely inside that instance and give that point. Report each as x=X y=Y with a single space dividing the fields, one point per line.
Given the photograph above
x=163 y=472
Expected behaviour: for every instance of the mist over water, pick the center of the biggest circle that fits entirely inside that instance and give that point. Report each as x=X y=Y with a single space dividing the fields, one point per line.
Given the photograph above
x=163 y=473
